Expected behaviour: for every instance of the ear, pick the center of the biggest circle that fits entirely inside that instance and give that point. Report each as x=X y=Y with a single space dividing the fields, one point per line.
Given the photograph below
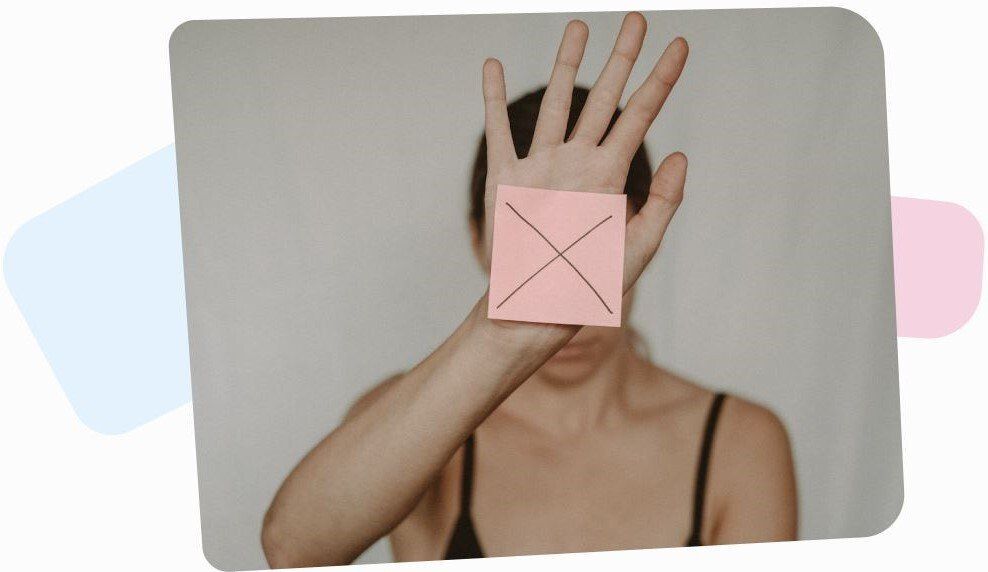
x=627 y=302
x=477 y=243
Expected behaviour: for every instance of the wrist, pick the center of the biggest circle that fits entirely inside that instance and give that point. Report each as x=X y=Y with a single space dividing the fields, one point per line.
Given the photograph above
x=523 y=339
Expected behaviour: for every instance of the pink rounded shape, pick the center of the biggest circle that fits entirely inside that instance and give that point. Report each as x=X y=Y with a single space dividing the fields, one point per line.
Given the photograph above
x=938 y=252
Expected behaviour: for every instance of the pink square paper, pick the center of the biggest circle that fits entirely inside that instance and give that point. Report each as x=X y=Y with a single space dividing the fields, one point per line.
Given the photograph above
x=558 y=257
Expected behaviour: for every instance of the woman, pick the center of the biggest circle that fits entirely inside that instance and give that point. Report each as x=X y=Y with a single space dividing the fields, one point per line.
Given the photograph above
x=522 y=438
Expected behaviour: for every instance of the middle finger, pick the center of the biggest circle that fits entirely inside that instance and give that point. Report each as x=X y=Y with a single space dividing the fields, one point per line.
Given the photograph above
x=607 y=90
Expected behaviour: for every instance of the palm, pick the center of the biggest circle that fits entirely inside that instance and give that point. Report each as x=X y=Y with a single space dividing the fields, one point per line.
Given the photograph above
x=584 y=163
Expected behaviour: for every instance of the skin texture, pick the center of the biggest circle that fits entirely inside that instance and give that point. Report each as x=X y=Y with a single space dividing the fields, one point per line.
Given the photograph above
x=582 y=444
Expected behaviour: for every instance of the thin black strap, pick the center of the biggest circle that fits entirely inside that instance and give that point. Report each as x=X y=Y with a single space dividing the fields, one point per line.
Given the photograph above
x=466 y=480
x=700 y=487
x=463 y=543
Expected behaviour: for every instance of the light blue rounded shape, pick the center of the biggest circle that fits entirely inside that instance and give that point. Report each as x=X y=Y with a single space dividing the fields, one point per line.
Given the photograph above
x=99 y=281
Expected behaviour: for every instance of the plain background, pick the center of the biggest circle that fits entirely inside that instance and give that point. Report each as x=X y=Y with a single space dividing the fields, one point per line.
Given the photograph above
x=323 y=169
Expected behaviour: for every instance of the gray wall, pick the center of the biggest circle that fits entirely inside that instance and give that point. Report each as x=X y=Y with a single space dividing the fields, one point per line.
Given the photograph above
x=323 y=169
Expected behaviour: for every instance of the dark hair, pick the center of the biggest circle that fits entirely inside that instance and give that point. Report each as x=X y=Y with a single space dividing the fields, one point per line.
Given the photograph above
x=522 y=114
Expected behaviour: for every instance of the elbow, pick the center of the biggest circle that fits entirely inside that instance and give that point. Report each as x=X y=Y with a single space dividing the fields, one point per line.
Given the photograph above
x=276 y=543
x=283 y=548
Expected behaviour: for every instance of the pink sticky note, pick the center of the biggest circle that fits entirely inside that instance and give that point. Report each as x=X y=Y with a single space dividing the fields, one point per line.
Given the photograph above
x=558 y=257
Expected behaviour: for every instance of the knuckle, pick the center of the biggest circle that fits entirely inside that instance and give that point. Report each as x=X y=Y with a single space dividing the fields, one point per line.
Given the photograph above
x=624 y=57
x=667 y=198
x=663 y=79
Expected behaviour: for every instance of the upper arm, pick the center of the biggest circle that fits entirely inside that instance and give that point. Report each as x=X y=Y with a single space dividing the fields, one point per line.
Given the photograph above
x=757 y=483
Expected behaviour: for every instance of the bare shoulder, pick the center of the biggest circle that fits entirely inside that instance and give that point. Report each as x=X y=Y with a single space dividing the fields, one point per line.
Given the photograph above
x=752 y=475
x=751 y=487
x=752 y=478
x=750 y=443
x=748 y=430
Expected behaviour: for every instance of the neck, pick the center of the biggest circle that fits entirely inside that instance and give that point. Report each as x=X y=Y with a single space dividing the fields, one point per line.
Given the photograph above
x=575 y=405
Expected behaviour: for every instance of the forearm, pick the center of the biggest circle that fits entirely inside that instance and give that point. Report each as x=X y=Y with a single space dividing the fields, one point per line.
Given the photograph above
x=366 y=476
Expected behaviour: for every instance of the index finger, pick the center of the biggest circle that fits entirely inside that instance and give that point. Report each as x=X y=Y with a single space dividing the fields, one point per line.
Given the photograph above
x=497 y=130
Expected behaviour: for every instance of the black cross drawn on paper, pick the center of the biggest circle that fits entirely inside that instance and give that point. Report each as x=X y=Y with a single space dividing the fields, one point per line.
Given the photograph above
x=559 y=254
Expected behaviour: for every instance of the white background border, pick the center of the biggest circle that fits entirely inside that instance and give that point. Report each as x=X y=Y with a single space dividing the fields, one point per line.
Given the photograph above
x=86 y=93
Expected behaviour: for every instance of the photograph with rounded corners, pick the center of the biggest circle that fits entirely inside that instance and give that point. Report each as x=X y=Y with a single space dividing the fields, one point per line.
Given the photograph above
x=493 y=285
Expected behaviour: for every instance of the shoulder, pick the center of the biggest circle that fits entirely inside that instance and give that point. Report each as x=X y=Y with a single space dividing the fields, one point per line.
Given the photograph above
x=741 y=424
x=752 y=478
x=747 y=428
x=752 y=458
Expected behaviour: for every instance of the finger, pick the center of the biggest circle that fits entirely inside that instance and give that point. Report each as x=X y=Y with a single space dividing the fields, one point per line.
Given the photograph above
x=550 y=129
x=497 y=130
x=606 y=92
x=646 y=229
x=645 y=104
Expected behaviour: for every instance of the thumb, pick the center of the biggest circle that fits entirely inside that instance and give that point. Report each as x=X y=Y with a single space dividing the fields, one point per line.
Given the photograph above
x=646 y=229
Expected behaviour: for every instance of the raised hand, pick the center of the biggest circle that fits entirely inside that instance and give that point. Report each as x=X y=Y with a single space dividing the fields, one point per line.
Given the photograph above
x=584 y=162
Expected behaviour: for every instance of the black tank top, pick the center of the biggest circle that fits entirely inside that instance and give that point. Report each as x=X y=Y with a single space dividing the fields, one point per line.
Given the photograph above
x=464 y=543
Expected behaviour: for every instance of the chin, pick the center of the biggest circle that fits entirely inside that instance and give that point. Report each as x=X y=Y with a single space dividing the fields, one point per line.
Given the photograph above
x=582 y=356
x=570 y=365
